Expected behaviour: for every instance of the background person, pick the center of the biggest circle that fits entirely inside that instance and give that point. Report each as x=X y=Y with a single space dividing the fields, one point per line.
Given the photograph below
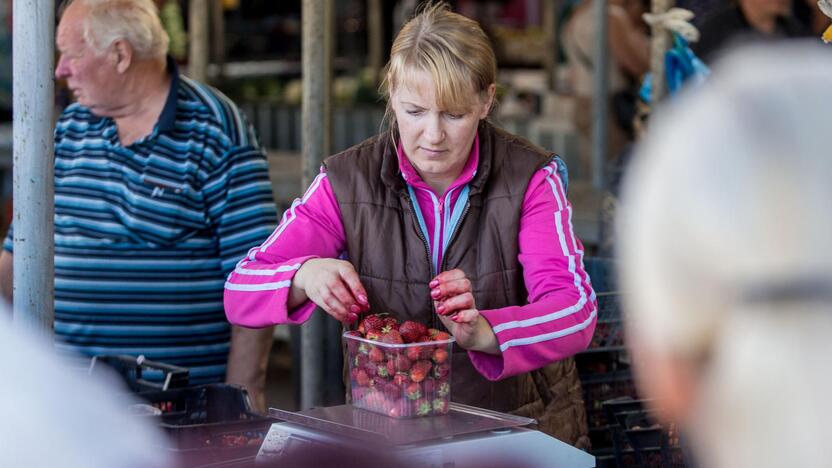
x=160 y=186
x=55 y=416
x=743 y=21
x=447 y=221
x=629 y=59
x=725 y=236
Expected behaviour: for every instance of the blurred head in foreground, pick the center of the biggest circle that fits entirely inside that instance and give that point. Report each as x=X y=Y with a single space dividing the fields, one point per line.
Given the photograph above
x=726 y=257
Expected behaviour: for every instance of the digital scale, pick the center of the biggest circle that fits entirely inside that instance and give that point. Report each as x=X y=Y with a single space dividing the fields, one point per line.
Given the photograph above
x=465 y=437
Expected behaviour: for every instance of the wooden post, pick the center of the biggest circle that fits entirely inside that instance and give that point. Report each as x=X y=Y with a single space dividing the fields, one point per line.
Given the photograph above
x=198 y=39
x=316 y=51
x=375 y=38
x=659 y=45
x=218 y=36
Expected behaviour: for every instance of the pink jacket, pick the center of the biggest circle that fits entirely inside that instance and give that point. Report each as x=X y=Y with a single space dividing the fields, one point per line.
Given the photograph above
x=558 y=321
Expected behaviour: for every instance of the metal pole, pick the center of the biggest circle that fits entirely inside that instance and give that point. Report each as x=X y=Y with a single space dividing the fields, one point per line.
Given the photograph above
x=659 y=45
x=375 y=37
x=33 y=52
x=315 y=136
x=198 y=39
x=600 y=91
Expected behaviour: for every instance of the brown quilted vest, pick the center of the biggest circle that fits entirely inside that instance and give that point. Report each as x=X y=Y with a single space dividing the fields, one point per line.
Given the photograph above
x=390 y=254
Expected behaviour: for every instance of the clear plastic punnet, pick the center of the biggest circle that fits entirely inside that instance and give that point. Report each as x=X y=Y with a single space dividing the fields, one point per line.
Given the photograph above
x=400 y=380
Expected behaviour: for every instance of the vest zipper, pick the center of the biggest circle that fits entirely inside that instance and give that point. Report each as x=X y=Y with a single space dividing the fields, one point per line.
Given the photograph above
x=436 y=323
x=453 y=236
x=427 y=253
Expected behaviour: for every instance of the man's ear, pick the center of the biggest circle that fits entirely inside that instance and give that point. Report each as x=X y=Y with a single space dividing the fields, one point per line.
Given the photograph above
x=123 y=53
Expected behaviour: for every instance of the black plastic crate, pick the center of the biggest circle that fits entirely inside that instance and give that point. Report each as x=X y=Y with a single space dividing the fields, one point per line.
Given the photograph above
x=653 y=445
x=609 y=306
x=210 y=423
x=607 y=336
x=601 y=271
x=599 y=388
x=142 y=375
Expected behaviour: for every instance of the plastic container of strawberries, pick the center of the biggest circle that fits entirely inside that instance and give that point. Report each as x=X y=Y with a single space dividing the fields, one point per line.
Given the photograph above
x=399 y=380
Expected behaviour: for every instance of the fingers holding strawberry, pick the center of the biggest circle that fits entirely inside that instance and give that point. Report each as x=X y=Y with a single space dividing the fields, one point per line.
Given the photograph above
x=454 y=302
x=454 y=305
x=333 y=285
x=448 y=284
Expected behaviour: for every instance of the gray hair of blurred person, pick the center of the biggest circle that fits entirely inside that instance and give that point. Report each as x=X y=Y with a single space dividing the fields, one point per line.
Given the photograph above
x=725 y=237
x=136 y=21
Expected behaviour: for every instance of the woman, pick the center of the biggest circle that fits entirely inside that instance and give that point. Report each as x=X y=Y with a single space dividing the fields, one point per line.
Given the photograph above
x=726 y=251
x=447 y=221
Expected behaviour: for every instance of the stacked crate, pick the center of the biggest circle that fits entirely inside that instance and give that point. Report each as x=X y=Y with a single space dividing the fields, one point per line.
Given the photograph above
x=621 y=429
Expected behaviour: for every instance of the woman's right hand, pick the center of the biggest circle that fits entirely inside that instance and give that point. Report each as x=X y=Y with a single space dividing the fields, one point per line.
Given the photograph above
x=331 y=284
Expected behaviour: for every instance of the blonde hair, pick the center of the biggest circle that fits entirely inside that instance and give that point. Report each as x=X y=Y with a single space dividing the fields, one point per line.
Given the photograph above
x=453 y=49
x=725 y=239
x=135 y=21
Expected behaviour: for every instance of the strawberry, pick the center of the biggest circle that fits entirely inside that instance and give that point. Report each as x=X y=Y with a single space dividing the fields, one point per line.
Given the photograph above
x=413 y=353
x=441 y=371
x=375 y=401
x=370 y=323
x=391 y=367
x=401 y=379
x=444 y=390
x=371 y=369
x=360 y=360
x=427 y=365
x=423 y=407
x=376 y=355
x=391 y=322
x=440 y=406
x=400 y=409
x=381 y=371
x=413 y=391
x=440 y=355
x=402 y=363
x=391 y=335
x=429 y=386
x=437 y=335
x=352 y=344
x=419 y=371
x=361 y=378
x=377 y=382
x=374 y=335
x=392 y=391
x=426 y=351
x=411 y=331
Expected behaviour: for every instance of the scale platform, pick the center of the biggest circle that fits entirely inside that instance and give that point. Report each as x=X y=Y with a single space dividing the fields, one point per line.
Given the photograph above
x=464 y=437
x=357 y=423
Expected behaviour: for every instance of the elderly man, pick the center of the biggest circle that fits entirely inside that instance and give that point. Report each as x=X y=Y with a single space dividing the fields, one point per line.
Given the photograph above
x=160 y=185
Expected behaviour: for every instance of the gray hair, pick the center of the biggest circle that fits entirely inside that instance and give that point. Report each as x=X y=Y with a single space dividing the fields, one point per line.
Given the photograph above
x=725 y=237
x=136 y=21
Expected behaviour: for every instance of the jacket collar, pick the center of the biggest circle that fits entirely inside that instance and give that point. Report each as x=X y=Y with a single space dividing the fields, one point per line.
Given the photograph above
x=391 y=171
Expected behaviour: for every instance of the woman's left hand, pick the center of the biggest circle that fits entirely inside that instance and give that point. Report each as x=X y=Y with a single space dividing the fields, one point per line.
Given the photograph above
x=454 y=302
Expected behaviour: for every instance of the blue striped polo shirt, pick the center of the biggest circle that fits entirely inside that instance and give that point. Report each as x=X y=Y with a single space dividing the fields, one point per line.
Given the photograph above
x=145 y=234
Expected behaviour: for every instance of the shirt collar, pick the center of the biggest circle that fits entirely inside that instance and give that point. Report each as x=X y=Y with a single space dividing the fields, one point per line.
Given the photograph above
x=167 y=119
x=411 y=176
